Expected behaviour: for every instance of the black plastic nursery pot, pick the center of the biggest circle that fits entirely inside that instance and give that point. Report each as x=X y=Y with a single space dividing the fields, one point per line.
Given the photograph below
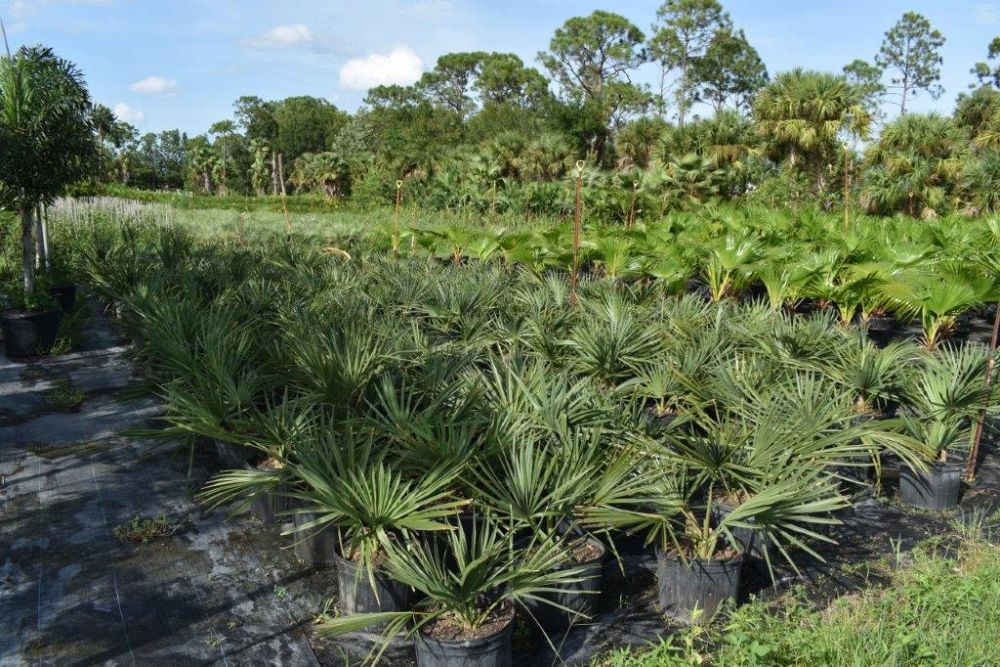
x=491 y=651
x=936 y=489
x=696 y=585
x=29 y=334
x=232 y=456
x=65 y=296
x=751 y=541
x=314 y=547
x=579 y=601
x=881 y=324
x=268 y=507
x=358 y=596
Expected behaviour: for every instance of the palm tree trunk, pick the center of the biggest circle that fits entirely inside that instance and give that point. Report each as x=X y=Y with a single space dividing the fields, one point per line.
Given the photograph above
x=27 y=249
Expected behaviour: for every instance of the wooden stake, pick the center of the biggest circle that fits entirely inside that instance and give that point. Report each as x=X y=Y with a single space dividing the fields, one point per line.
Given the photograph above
x=977 y=438
x=847 y=190
x=395 y=220
x=284 y=203
x=574 y=274
x=631 y=208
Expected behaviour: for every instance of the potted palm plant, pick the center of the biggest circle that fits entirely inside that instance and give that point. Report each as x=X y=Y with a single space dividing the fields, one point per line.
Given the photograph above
x=46 y=143
x=29 y=320
x=872 y=378
x=699 y=556
x=351 y=489
x=535 y=487
x=471 y=585
x=937 y=298
x=941 y=399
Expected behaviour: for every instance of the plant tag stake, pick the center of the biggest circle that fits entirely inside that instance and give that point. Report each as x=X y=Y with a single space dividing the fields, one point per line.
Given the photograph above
x=977 y=438
x=574 y=275
x=395 y=220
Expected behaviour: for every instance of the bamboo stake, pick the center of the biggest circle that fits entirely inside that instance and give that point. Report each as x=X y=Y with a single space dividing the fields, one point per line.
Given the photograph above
x=284 y=203
x=395 y=220
x=847 y=190
x=970 y=466
x=574 y=275
x=631 y=208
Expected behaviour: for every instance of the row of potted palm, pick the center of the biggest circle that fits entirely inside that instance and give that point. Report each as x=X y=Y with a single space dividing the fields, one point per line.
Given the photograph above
x=463 y=447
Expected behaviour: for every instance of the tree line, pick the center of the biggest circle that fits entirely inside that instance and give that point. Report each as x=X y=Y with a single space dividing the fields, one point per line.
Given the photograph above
x=487 y=131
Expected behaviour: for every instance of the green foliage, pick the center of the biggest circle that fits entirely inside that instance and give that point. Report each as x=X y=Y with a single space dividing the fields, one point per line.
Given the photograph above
x=591 y=58
x=939 y=609
x=801 y=114
x=683 y=34
x=911 y=52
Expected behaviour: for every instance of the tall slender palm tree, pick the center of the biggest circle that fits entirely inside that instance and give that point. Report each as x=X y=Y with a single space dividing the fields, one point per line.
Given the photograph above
x=46 y=136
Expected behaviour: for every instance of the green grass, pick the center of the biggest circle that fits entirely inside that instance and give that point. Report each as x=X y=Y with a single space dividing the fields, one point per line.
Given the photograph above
x=939 y=610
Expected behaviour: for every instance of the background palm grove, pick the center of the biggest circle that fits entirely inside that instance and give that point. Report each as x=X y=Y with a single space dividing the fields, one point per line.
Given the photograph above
x=489 y=132
x=512 y=363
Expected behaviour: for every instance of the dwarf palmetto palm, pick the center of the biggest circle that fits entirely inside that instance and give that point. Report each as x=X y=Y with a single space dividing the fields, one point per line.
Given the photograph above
x=336 y=363
x=847 y=289
x=609 y=338
x=797 y=339
x=873 y=376
x=471 y=578
x=217 y=378
x=730 y=267
x=538 y=483
x=617 y=257
x=669 y=503
x=950 y=383
x=430 y=429
x=529 y=397
x=349 y=483
x=785 y=282
x=935 y=298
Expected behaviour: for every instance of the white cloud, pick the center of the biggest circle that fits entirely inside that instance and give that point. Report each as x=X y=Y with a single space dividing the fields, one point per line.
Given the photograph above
x=985 y=14
x=434 y=10
x=19 y=8
x=400 y=66
x=155 y=85
x=281 y=36
x=126 y=113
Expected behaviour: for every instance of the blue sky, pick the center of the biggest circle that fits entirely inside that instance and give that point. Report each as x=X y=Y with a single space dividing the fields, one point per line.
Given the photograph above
x=181 y=63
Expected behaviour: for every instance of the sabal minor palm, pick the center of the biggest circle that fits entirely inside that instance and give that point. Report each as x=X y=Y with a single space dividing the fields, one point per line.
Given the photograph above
x=609 y=338
x=350 y=483
x=474 y=577
x=669 y=504
x=874 y=376
x=538 y=483
x=936 y=298
x=729 y=267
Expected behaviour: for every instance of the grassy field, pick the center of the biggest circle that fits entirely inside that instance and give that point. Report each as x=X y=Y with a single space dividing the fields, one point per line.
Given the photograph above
x=941 y=608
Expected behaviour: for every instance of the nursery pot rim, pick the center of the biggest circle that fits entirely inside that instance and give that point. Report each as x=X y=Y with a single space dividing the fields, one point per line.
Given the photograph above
x=712 y=562
x=950 y=464
x=338 y=558
x=16 y=314
x=478 y=642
